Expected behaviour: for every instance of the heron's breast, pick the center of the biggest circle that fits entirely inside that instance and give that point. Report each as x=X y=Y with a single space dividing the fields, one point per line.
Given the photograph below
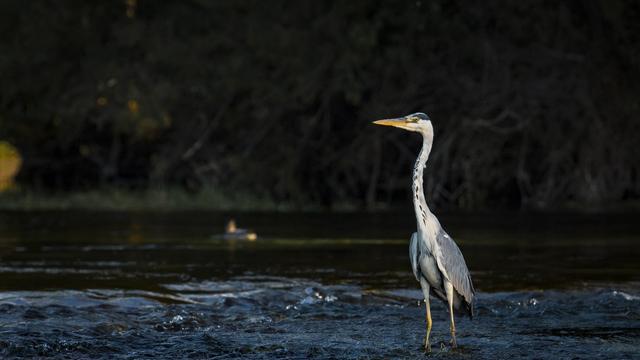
x=430 y=270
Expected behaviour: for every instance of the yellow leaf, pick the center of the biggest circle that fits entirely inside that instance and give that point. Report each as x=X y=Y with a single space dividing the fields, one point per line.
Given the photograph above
x=133 y=106
x=10 y=162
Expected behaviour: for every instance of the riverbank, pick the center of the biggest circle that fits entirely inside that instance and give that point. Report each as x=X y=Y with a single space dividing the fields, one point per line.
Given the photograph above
x=114 y=199
x=210 y=199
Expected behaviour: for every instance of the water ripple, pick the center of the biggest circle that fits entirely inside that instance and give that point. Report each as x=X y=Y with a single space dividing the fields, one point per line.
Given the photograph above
x=265 y=317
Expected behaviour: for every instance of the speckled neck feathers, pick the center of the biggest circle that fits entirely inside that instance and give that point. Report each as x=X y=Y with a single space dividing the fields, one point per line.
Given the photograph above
x=423 y=214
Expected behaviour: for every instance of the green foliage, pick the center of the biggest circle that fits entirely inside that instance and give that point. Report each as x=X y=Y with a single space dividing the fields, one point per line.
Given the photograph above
x=534 y=104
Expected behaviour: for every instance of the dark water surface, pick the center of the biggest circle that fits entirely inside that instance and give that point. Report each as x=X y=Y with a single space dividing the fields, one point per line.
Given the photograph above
x=140 y=285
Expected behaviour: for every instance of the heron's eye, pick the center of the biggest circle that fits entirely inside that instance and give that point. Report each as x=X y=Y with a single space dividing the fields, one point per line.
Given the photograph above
x=413 y=119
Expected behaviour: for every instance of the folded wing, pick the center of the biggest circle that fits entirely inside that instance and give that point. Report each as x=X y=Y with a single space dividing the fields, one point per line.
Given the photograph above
x=414 y=255
x=451 y=263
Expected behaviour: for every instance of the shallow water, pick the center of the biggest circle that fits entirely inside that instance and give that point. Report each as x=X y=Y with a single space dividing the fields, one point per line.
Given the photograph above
x=104 y=285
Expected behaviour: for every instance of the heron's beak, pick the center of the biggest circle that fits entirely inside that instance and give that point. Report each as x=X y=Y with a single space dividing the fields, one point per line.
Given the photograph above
x=397 y=122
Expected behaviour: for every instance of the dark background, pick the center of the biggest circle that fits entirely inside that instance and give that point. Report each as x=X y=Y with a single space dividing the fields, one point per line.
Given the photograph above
x=535 y=104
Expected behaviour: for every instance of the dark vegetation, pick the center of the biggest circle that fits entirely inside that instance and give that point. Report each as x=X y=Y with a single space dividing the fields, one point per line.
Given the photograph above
x=535 y=104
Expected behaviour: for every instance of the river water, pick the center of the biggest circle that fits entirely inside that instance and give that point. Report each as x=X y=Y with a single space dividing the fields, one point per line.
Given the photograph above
x=163 y=286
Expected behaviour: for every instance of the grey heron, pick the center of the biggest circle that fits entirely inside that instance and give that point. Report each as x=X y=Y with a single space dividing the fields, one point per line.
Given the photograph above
x=436 y=260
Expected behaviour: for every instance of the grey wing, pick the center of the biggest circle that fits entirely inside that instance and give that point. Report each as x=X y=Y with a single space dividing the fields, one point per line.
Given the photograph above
x=414 y=255
x=452 y=264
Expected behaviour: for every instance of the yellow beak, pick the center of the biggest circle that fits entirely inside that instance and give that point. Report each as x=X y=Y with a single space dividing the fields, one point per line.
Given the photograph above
x=398 y=122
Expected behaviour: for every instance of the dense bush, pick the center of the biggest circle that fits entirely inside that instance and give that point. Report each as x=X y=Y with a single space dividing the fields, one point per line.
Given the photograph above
x=534 y=103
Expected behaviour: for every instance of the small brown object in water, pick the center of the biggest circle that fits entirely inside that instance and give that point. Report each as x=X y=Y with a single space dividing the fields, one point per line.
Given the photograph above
x=234 y=233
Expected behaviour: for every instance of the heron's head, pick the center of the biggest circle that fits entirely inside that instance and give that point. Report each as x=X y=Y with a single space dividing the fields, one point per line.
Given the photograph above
x=418 y=122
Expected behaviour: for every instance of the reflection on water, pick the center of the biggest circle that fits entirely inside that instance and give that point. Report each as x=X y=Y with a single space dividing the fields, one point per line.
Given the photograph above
x=98 y=285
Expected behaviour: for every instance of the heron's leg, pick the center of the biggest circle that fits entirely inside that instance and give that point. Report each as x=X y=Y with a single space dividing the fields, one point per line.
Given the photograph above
x=448 y=287
x=425 y=291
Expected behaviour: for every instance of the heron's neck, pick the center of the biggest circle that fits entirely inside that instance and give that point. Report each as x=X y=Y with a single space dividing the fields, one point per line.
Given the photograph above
x=423 y=214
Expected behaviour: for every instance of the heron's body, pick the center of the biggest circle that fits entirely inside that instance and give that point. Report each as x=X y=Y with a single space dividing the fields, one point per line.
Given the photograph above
x=436 y=260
